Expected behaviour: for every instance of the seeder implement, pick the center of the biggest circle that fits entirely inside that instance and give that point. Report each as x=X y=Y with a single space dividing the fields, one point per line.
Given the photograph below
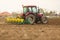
x=16 y=20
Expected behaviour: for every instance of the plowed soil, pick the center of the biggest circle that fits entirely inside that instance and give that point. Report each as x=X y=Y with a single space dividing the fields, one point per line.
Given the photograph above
x=49 y=31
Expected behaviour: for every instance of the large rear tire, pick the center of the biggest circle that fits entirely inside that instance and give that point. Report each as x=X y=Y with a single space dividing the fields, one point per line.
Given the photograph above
x=30 y=18
x=44 y=20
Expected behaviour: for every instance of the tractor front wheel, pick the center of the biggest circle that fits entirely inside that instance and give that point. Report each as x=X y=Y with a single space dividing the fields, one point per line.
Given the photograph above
x=44 y=20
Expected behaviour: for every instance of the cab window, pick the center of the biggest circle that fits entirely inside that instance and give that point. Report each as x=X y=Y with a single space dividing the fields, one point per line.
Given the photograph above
x=30 y=10
x=24 y=9
x=34 y=10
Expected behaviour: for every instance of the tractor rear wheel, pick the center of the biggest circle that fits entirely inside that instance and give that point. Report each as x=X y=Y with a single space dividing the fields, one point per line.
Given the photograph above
x=30 y=18
x=44 y=20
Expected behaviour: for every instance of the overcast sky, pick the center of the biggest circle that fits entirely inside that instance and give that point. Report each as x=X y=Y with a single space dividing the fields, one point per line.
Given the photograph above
x=16 y=5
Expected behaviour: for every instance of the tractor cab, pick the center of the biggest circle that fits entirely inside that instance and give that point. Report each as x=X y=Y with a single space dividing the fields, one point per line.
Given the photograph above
x=30 y=9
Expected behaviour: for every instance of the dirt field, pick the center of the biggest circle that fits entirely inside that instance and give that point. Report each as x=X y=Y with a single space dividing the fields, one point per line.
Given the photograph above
x=50 y=31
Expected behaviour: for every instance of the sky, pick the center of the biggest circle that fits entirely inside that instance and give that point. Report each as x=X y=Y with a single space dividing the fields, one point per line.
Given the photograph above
x=16 y=5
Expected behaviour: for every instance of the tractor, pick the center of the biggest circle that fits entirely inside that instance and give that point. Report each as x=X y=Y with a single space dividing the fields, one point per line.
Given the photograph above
x=33 y=15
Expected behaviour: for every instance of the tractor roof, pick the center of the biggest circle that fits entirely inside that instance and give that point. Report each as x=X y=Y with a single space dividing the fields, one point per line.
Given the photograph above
x=29 y=6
